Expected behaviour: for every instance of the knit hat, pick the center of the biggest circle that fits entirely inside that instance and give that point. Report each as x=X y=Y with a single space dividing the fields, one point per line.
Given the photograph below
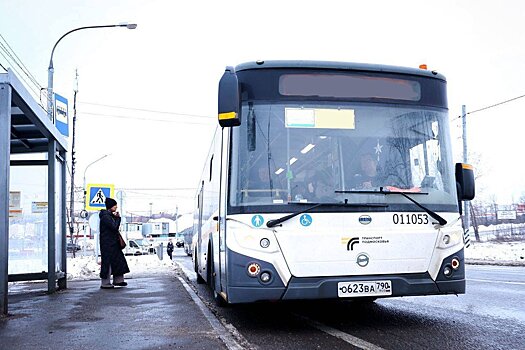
x=110 y=203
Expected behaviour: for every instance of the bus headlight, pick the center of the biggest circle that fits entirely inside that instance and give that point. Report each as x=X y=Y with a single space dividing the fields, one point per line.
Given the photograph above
x=265 y=277
x=447 y=271
x=450 y=239
x=265 y=243
x=455 y=263
x=253 y=269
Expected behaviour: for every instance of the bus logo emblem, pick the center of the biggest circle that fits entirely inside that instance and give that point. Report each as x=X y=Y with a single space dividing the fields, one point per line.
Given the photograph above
x=365 y=219
x=362 y=259
x=257 y=220
x=351 y=243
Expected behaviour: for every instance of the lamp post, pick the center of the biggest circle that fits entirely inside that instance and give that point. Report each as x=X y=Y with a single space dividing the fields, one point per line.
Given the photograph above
x=90 y=164
x=50 y=69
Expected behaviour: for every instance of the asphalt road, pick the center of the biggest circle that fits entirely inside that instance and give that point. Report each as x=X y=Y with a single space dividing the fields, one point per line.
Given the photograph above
x=491 y=315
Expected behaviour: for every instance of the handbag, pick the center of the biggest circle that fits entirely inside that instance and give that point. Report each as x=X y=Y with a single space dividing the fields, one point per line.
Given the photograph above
x=121 y=241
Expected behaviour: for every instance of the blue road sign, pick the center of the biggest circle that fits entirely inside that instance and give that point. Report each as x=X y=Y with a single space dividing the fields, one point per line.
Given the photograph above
x=61 y=115
x=97 y=194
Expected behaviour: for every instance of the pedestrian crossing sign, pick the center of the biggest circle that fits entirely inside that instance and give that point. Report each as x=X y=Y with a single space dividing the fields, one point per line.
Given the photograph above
x=96 y=195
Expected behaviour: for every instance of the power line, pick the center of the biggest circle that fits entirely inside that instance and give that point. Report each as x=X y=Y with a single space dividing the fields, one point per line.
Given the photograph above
x=134 y=194
x=494 y=105
x=159 y=189
x=28 y=84
x=148 y=110
x=142 y=119
x=16 y=60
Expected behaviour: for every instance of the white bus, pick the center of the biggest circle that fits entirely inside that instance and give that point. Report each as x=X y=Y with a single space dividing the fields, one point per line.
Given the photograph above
x=330 y=180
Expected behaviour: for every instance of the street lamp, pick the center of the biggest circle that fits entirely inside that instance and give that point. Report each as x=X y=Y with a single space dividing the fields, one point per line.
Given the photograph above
x=50 y=69
x=90 y=164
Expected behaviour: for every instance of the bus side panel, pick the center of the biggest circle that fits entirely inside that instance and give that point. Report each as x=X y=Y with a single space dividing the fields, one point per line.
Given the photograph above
x=207 y=207
x=214 y=205
x=221 y=281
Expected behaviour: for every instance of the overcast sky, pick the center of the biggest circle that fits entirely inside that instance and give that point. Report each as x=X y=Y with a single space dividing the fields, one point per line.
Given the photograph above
x=172 y=62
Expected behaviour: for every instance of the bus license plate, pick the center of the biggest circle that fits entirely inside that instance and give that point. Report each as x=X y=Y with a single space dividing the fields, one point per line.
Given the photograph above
x=364 y=288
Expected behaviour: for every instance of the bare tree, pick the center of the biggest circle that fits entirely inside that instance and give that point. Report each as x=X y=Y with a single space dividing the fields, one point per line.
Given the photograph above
x=476 y=206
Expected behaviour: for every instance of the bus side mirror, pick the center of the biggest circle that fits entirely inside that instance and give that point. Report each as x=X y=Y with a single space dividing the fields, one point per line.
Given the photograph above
x=465 y=182
x=229 y=99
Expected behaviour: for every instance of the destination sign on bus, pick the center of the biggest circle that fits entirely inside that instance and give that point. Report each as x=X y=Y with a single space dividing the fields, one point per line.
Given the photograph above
x=326 y=118
x=349 y=86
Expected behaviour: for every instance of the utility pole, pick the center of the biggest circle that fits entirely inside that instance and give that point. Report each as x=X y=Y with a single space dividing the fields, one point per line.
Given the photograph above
x=120 y=198
x=73 y=162
x=176 y=221
x=466 y=209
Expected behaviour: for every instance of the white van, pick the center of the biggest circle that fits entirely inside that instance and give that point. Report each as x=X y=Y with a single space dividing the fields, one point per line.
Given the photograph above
x=135 y=247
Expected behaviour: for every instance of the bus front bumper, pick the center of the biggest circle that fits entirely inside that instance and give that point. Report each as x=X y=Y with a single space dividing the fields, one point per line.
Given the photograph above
x=402 y=285
x=243 y=289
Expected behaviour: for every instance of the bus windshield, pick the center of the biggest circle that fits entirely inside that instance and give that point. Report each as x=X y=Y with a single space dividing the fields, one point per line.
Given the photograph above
x=287 y=152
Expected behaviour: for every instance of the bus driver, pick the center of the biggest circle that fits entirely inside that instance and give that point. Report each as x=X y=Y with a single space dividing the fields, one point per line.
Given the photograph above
x=368 y=176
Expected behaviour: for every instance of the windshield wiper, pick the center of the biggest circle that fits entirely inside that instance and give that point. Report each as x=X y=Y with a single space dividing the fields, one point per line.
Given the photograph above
x=433 y=214
x=273 y=223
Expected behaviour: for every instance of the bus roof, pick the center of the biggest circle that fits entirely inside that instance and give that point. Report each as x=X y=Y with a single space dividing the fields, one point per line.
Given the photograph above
x=362 y=67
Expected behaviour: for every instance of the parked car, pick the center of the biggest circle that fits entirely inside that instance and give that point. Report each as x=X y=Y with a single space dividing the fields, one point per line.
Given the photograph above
x=72 y=247
x=135 y=247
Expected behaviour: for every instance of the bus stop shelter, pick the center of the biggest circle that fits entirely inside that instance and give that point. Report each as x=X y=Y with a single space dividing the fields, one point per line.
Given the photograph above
x=32 y=192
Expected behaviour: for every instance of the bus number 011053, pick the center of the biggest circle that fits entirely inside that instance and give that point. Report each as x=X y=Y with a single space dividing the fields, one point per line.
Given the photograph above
x=410 y=219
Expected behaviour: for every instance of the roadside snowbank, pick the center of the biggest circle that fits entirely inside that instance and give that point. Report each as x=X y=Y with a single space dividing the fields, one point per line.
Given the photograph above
x=496 y=252
x=87 y=267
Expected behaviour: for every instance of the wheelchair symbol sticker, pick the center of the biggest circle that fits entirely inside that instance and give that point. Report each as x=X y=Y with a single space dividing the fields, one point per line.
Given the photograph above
x=306 y=220
x=257 y=220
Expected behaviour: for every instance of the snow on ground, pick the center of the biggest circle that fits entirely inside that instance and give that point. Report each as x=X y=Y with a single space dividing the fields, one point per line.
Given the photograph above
x=87 y=267
x=497 y=252
x=498 y=244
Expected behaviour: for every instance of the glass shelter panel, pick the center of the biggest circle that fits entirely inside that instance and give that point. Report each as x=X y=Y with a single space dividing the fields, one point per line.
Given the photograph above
x=28 y=219
x=59 y=197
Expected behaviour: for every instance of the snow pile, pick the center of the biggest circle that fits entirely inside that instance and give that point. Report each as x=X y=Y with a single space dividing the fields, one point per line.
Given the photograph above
x=496 y=251
x=87 y=267
x=500 y=231
x=82 y=268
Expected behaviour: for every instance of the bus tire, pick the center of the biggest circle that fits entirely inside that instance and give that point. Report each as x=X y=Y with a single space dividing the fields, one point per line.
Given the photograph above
x=218 y=299
x=200 y=280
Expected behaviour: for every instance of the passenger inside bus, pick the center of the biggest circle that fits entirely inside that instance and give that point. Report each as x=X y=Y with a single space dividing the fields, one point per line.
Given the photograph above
x=320 y=188
x=259 y=182
x=300 y=192
x=260 y=186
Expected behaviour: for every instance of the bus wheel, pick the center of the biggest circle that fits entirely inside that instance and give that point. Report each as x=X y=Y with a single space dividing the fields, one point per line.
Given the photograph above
x=219 y=300
x=200 y=280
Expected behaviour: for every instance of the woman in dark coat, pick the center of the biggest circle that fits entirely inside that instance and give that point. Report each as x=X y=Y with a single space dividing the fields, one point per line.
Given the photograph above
x=113 y=260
